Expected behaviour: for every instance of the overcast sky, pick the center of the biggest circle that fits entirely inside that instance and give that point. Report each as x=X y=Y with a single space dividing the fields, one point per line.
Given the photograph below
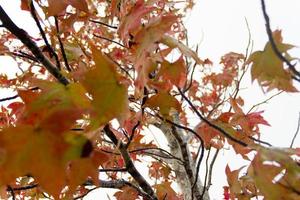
x=220 y=26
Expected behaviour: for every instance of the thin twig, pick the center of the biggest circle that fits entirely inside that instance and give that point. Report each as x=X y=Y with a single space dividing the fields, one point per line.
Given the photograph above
x=9 y=98
x=296 y=133
x=211 y=169
x=132 y=134
x=199 y=164
x=227 y=135
x=110 y=40
x=263 y=102
x=61 y=45
x=33 y=13
x=273 y=44
x=259 y=141
x=129 y=163
x=104 y=24
x=113 y=170
x=27 y=187
x=23 y=55
x=145 y=150
x=15 y=96
x=206 y=172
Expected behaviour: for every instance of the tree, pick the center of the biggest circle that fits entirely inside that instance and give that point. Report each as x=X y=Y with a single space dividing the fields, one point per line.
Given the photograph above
x=104 y=73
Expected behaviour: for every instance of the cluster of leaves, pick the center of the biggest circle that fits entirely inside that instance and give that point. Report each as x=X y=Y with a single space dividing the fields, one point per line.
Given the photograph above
x=121 y=78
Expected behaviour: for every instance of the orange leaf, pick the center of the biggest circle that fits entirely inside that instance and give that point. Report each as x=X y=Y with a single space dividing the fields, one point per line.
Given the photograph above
x=52 y=104
x=165 y=191
x=30 y=151
x=132 y=21
x=126 y=193
x=25 y=5
x=58 y=6
x=210 y=136
x=146 y=39
x=79 y=4
x=174 y=72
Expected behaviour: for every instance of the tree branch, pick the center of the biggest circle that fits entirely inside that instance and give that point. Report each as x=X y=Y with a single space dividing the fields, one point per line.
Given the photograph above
x=61 y=45
x=31 y=45
x=296 y=133
x=129 y=164
x=227 y=135
x=33 y=13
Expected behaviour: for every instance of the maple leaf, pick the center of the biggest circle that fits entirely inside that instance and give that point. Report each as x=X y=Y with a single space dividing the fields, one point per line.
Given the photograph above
x=130 y=24
x=55 y=7
x=26 y=150
x=55 y=100
x=127 y=193
x=248 y=122
x=25 y=5
x=146 y=39
x=173 y=43
x=86 y=167
x=175 y=72
x=273 y=172
x=263 y=175
x=159 y=170
x=165 y=191
x=109 y=95
x=164 y=101
x=210 y=136
x=268 y=69
x=233 y=181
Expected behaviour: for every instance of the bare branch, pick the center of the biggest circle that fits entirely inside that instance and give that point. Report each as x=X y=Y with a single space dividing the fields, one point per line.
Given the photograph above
x=24 y=55
x=227 y=135
x=116 y=184
x=296 y=133
x=31 y=45
x=146 y=150
x=132 y=134
x=104 y=24
x=113 y=170
x=112 y=41
x=33 y=13
x=211 y=169
x=15 y=96
x=129 y=164
x=61 y=45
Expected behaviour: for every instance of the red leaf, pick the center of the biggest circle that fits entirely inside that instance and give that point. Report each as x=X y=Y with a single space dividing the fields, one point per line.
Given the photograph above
x=256 y=118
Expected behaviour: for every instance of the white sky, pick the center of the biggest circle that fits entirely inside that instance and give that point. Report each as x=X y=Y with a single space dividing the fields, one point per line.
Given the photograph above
x=221 y=28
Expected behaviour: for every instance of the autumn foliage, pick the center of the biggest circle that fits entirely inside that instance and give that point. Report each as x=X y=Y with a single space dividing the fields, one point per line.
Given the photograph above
x=102 y=75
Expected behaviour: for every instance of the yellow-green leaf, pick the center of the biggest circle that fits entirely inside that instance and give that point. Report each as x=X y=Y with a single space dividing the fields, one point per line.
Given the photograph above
x=268 y=69
x=109 y=96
